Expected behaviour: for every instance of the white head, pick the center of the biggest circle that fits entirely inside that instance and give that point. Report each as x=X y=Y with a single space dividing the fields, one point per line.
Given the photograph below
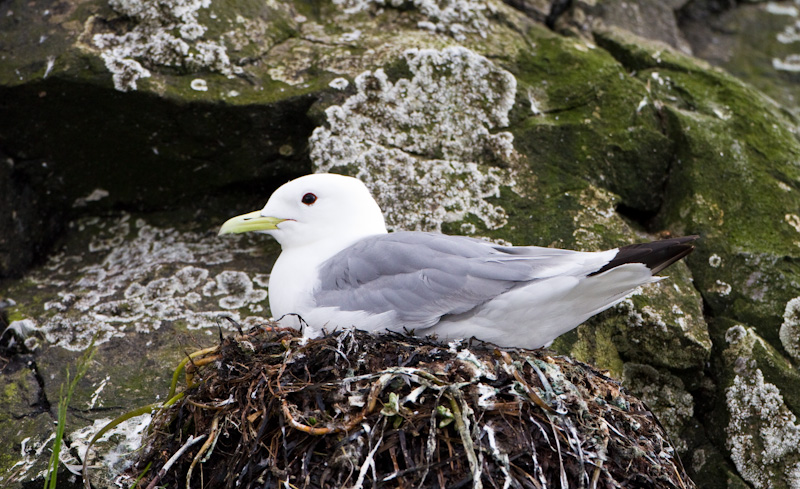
x=315 y=208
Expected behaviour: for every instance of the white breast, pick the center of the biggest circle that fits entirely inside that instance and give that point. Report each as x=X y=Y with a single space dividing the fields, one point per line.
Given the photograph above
x=290 y=284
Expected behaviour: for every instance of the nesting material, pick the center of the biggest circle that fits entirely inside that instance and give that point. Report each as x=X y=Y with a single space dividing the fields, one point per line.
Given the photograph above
x=354 y=409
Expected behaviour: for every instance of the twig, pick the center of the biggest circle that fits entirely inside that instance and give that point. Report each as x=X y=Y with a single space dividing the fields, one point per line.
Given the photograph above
x=174 y=384
x=562 y=473
x=195 y=364
x=596 y=475
x=311 y=430
x=532 y=395
x=466 y=438
x=368 y=462
x=430 y=446
x=369 y=407
x=212 y=438
x=161 y=473
x=204 y=406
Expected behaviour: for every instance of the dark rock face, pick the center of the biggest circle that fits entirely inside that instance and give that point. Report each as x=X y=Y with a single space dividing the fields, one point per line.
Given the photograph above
x=129 y=132
x=31 y=219
x=144 y=154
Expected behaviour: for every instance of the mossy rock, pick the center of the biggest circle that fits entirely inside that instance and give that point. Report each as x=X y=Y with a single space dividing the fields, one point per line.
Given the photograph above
x=733 y=181
x=760 y=397
x=754 y=41
x=558 y=141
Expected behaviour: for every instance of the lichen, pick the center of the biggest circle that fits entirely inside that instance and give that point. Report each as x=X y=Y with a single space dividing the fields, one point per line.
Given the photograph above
x=117 y=443
x=596 y=219
x=790 y=329
x=423 y=145
x=31 y=451
x=236 y=288
x=646 y=315
x=665 y=394
x=762 y=433
x=789 y=35
x=164 y=33
x=134 y=276
x=721 y=288
x=453 y=17
x=793 y=220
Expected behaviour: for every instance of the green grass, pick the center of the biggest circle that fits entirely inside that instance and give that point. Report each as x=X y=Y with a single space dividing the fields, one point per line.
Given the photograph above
x=64 y=399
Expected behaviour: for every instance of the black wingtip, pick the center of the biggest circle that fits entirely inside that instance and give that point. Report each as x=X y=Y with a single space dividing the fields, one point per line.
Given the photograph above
x=656 y=255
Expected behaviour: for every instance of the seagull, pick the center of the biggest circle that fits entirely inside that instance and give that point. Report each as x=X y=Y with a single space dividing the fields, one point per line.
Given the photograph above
x=340 y=268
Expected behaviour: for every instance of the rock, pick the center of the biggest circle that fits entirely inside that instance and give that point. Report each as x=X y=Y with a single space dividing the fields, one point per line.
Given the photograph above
x=120 y=161
x=56 y=80
x=755 y=41
x=424 y=180
x=147 y=294
x=23 y=409
x=789 y=333
x=665 y=394
x=659 y=324
x=719 y=140
x=32 y=223
x=762 y=430
x=650 y=19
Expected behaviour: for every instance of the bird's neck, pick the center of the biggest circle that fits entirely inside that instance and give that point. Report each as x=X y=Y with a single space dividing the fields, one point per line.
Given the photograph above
x=295 y=274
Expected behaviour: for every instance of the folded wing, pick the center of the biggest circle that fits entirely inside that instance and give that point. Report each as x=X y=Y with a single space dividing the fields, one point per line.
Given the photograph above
x=423 y=277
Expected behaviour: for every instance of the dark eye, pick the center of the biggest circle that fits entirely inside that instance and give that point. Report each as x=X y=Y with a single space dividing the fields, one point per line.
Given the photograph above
x=309 y=198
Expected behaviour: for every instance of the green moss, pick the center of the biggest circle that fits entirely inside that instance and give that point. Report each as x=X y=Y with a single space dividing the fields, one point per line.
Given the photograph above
x=752 y=31
x=30 y=298
x=742 y=221
x=637 y=53
x=596 y=346
x=592 y=126
x=732 y=179
x=11 y=391
x=539 y=218
x=15 y=314
x=20 y=418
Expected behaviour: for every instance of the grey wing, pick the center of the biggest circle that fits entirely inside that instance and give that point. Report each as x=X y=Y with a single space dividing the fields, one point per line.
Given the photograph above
x=424 y=276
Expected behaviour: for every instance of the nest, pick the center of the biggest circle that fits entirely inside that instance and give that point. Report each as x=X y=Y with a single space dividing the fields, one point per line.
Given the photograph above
x=354 y=409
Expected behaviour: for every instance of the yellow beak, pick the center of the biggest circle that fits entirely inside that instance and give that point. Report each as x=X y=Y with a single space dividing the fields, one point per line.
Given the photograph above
x=253 y=221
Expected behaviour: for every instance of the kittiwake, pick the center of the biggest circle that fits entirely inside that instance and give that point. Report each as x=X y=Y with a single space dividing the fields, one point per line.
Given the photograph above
x=339 y=268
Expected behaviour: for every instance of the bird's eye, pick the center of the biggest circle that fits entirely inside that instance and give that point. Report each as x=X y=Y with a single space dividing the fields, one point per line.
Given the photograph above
x=309 y=198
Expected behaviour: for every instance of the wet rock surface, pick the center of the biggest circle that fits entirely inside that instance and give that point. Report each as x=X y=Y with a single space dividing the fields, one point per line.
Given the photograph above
x=130 y=130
